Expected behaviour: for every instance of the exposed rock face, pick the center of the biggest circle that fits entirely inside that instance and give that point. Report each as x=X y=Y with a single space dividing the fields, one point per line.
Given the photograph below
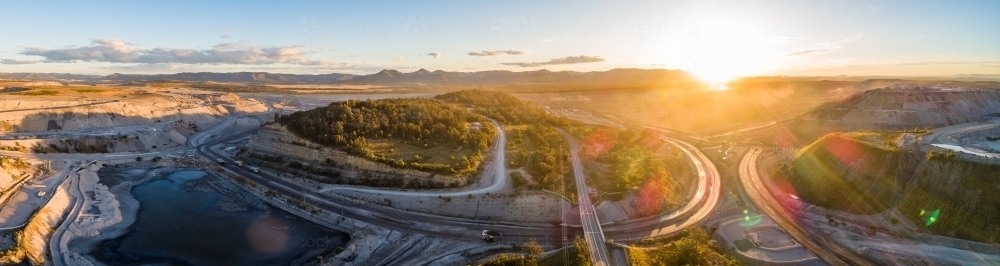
x=28 y=115
x=906 y=107
x=842 y=172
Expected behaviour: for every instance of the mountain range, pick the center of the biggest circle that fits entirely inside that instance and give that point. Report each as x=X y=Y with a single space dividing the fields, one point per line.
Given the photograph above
x=628 y=77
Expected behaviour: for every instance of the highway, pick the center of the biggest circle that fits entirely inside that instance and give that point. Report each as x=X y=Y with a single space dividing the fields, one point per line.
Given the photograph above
x=592 y=232
x=767 y=203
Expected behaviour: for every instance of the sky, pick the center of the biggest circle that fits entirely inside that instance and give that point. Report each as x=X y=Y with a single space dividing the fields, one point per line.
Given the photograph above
x=715 y=40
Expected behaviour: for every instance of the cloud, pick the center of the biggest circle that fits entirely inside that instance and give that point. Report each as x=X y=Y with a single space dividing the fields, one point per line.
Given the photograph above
x=227 y=36
x=824 y=47
x=871 y=7
x=498 y=52
x=436 y=55
x=544 y=40
x=8 y=61
x=398 y=58
x=118 y=51
x=559 y=61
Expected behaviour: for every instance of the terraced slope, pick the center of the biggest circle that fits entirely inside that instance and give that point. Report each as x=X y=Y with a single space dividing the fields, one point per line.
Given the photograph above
x=908 y=107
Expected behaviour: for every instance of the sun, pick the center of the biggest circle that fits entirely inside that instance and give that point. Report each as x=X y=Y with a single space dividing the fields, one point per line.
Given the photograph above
x=724 y=48
x=716 y=79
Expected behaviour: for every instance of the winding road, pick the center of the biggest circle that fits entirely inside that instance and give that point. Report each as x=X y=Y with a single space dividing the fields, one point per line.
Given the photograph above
x=767 y=203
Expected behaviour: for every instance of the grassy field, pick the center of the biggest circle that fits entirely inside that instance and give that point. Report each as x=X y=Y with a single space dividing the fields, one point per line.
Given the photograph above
x=438 y=154
x=90 y=90
x=38 y=92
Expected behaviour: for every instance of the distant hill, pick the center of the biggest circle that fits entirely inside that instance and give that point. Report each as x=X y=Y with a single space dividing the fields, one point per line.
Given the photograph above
x=263 y=77
x=620 y=77
x=47 y=76
x=616 y=77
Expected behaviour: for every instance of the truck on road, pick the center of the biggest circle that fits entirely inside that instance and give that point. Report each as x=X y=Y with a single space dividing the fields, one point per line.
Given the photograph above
x=220 y=161
x=490 y=236
x=239 y=163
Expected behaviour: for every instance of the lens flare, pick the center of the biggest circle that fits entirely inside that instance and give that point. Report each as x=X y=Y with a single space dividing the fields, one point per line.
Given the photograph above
x=933 y=218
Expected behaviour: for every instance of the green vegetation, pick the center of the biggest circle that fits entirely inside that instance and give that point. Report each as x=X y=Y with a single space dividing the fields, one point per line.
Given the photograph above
x=693 y=248
x=503 y=107
x=98 y=144
x=17 y=147
x=9 y=163
x=533 y=144
x=89 y=90
x=575 y=255
x=843 y=171
x=510 y=110
x=39 y=93
x=955 y=198
x=945 y=194
x=422 y=134
x=530 y=258
x=622 y=162
x=544 y=155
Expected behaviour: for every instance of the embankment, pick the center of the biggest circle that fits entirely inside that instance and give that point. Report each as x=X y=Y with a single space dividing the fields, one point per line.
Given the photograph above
x=950 y=194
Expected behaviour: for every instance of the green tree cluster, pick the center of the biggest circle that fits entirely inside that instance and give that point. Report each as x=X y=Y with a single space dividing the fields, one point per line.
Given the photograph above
x=544 y=157
x=634 y=166
x=350 y=125
x=693 y=248
x=531 y=250
x=505 y=108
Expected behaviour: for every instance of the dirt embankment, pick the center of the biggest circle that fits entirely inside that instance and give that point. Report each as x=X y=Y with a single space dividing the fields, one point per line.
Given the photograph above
x=33 y=240
x=950 y=194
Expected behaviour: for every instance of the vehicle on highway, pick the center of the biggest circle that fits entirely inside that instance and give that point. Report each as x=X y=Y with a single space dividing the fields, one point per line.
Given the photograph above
x=220 y=161
x=491 y=236
x=255 y=169
x=239 y=163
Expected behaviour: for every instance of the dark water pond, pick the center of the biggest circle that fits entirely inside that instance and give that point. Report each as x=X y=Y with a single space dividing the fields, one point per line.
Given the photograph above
x=178 y=225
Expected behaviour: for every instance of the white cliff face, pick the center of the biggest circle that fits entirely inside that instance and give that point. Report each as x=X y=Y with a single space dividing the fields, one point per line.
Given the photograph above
x=36 y=113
